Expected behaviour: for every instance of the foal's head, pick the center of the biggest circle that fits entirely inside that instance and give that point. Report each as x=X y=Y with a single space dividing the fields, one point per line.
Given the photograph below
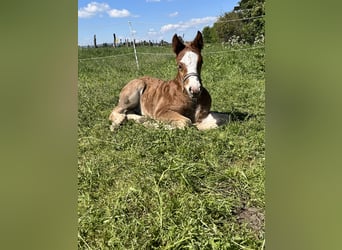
x=189 y=60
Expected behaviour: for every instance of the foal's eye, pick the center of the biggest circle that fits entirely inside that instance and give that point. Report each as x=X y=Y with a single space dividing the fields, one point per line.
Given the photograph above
x=179 y=66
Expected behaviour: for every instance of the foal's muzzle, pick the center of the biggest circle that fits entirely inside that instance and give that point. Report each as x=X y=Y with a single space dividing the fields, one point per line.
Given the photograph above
x=194 y=89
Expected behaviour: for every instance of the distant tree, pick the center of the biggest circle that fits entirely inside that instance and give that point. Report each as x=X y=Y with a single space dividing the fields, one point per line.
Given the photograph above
x=206 y=34
x=229 y=25
x=209 y=35
x=254 y=25
x=245 y=22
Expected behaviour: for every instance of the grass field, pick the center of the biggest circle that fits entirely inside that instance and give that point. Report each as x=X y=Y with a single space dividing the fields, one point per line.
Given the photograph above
x=144 y=188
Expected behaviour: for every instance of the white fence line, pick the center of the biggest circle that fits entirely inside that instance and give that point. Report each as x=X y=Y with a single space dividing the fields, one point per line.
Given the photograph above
x=170 y=54
x=233 y=50
x=240 y=19
x=104 y=57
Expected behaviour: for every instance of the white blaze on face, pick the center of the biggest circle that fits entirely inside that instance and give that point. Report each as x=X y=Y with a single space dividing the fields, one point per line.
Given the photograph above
x=190 y=60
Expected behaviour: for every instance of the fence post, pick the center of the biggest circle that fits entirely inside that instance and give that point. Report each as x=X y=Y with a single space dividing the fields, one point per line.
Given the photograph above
x=95 y=41
x=135 y=51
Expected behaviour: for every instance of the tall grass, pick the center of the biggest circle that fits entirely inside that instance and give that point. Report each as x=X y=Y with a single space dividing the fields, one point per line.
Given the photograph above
x=143 y=188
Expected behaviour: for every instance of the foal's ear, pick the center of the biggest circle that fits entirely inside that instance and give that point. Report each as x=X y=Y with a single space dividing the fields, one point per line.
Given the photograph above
x=198 y=41
x=177 y=44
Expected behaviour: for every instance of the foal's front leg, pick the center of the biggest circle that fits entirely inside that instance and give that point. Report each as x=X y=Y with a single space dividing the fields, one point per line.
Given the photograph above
x=175 y=119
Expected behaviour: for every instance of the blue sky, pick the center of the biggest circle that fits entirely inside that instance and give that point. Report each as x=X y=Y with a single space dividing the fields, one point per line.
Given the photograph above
x=150 y=19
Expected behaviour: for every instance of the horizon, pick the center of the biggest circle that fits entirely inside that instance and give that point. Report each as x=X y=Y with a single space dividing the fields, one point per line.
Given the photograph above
x=151 y=20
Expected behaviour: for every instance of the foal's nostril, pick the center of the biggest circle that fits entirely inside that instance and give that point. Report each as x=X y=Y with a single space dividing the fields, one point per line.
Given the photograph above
x=194 y=90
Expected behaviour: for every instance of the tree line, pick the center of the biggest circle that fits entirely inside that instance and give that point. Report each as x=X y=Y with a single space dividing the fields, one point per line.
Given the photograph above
x=127 y=42
x=245 y=23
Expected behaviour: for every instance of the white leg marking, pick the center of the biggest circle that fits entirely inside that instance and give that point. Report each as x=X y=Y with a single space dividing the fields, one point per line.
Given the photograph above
x=213 y=120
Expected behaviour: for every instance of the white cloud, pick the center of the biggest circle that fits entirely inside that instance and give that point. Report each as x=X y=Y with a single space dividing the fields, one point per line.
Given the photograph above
x=174 y=14
x=95 y=8
x=181 y=26
x=152 y=32
x=118 y=13
x=169 y=27
x=150 y=1
x=92 y=9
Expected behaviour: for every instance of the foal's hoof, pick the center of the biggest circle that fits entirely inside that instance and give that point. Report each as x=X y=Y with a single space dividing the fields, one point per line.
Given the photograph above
x=113 y=126
x=116 y=125
x=116 y=119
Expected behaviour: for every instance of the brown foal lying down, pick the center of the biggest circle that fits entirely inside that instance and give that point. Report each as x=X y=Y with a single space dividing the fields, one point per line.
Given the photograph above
x=180 y=102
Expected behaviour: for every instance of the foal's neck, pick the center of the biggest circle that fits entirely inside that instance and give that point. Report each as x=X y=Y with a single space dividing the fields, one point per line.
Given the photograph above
x=178 y=79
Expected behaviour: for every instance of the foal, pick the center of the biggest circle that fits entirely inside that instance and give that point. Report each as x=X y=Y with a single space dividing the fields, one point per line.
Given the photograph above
x=180 y=102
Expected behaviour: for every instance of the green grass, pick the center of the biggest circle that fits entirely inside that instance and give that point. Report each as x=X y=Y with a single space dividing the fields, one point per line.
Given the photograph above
x=143 y=188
